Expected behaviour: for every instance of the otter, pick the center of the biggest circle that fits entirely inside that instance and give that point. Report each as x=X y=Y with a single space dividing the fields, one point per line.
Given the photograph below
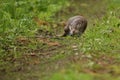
x=75 y=26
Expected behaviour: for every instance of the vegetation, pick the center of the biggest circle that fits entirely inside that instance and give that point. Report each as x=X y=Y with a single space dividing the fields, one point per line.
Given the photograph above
x=17 y=22
x=28 y=40
x=100 y=48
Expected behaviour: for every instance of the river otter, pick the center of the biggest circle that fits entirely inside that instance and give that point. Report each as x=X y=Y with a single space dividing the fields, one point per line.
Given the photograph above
x=75 y=26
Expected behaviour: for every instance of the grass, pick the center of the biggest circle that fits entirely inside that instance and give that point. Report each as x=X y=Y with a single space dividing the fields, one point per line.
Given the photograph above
x=93 y=56
x=17 y=23
x=99 y=48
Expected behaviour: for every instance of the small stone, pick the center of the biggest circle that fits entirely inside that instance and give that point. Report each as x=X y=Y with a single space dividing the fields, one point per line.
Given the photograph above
x=74 y=46
x=75 y=49
x=76 y=54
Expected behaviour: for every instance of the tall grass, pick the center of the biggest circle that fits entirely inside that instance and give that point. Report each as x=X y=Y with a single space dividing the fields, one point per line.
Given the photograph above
x=101 y=39
x=16 y=19
x=104 y=36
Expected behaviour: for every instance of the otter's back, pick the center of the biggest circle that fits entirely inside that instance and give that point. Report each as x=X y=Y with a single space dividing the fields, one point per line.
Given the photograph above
x=75 y=25
x=77 y=22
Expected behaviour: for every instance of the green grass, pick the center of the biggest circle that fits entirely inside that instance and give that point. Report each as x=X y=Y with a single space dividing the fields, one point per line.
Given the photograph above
x=17 y=20
x=70 y=76
x=93 y=56
x=100 y=46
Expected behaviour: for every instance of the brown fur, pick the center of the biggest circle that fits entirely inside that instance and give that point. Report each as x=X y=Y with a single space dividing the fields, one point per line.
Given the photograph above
x=75 y=26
